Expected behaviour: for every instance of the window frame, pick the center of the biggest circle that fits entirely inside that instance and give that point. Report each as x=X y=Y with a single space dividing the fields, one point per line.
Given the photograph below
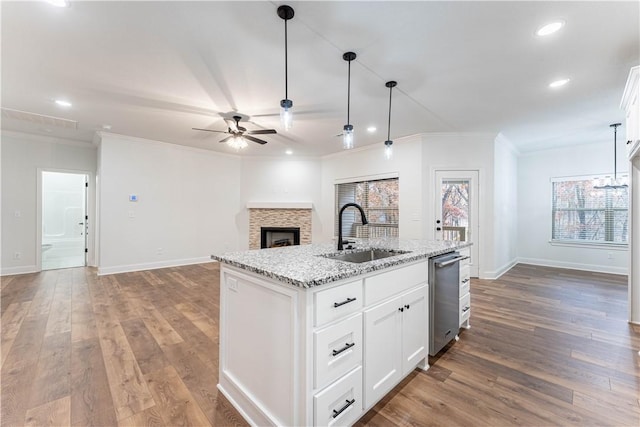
x=366 y=179
x=603 y=244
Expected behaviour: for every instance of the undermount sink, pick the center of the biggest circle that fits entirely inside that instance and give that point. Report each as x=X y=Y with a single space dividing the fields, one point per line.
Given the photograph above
x=365 y=255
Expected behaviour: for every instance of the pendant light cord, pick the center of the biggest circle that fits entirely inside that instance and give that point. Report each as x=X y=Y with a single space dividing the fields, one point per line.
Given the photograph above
x=348 y=91
x=389 y=123
x=615 y=156
x=286 y=63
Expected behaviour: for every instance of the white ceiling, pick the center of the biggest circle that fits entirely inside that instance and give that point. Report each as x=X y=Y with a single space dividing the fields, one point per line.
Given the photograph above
x=156 y=69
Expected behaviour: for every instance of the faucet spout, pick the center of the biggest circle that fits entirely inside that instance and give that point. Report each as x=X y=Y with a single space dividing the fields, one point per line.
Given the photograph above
x=364 y=221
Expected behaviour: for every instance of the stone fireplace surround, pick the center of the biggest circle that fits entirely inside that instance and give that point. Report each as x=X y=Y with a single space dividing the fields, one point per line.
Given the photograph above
x=279 y=214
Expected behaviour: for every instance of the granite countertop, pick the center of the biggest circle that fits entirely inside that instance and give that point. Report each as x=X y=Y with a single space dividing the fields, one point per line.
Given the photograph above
x=304 y=266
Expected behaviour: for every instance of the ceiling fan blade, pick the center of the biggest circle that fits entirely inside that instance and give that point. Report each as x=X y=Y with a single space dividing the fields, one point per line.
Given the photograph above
x=226 y=139
x=251 y=138
x=209 y=130
x=261 y=132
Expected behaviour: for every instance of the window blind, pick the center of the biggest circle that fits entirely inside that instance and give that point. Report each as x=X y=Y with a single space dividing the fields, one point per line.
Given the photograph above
x=582 y=213
x=378 y=199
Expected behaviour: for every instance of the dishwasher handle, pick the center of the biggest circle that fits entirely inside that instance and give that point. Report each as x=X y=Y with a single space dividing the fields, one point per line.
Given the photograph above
x=451 y=261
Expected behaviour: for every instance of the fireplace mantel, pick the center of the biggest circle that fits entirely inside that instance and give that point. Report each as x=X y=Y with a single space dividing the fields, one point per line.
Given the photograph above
x=279 y=205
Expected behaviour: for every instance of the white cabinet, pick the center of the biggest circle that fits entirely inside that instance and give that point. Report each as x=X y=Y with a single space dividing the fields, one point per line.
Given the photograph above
x=321 y=355
x=465 y=287
x=395 y=341
x=630 y=103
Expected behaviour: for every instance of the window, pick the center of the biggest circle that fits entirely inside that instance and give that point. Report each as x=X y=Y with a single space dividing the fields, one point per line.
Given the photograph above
x=584 y=214
x=378 y=198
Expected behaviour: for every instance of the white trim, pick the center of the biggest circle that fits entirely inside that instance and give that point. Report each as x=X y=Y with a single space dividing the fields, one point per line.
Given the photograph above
x=590 y=245
x=22 y=269
x=496 y=274
x=106 y=135
x=574 y=266
x=630 y=87
x=279 y=205
x=47 y=139
x=376 y=177
x=152 y=265
x=587 y=177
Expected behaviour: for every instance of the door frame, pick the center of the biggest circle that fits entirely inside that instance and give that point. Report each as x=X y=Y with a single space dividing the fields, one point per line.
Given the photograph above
x=481 y=208
x=89 y=212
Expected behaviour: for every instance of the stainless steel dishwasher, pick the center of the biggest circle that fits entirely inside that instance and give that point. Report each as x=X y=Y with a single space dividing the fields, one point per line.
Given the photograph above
x=444 y=300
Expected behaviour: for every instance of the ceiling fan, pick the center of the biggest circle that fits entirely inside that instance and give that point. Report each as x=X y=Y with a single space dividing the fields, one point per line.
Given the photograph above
x=236 y=131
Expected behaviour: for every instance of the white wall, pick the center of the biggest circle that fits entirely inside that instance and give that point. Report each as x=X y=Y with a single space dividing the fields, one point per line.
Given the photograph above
x=463 y=152
x=289 y=179
x=505 y=206
x=534 y=207
x=188 y=206
x=369 y=161
x=22 y=156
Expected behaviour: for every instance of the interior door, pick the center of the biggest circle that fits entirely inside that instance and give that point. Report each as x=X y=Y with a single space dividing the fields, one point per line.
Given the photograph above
x=64 y=220
x=456 y=216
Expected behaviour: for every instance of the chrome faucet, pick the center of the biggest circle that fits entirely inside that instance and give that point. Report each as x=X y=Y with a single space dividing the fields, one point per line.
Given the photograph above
x=364 y=221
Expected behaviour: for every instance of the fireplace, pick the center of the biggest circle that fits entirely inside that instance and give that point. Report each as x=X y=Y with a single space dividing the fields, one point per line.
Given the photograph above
x=274 y=237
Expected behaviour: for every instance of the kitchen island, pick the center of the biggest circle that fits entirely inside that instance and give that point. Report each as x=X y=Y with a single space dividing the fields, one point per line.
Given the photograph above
x=310 y=340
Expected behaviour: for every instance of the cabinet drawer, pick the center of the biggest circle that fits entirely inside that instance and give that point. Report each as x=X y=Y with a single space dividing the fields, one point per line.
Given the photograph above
x=465 y=307
x=338 y=349
x=385 y=285
x=334 y=303
x=465 y=252
x=340 y=404
x=465 y=280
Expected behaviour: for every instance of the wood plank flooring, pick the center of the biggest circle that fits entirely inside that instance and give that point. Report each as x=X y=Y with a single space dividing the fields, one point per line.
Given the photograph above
x=546 y=347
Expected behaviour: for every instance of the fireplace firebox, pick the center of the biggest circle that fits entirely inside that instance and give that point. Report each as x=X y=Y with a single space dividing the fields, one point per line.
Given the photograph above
x=274 y=237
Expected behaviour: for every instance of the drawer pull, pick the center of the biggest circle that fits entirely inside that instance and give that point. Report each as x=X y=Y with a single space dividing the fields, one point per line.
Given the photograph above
x=341 y=410
x=465 y=280
x=346 y=347
x=467 y=308
x=347 y=301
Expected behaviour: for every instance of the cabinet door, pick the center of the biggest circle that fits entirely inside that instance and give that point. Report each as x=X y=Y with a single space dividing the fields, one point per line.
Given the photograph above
x=383 y=361
x=414 y=328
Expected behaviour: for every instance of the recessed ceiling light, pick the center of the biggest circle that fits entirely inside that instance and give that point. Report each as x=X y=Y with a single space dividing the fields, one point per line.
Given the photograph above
x=559 y=83
x=371 y=129
x=59 y=3
x=549 y=28
x=63 y=103
x=289 y=152
x=106 y=127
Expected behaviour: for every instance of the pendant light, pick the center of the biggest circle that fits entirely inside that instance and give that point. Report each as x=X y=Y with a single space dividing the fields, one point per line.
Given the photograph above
x=388 y=144
x=286 y=115
x=607 y=183
x=347 y=130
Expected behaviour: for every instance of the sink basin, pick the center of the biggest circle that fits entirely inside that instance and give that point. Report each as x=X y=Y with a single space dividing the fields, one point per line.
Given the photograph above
x=366 y=255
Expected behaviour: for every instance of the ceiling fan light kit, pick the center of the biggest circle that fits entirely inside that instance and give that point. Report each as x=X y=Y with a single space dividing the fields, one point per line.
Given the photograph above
x=286 y=115
x=607 y=183
x=347 y=130
x=388 y=144
x=238 y=135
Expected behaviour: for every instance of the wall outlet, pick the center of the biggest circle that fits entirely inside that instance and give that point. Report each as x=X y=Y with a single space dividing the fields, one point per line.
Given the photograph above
x=17 y=256
x=17 y=214
x=159 y=251
x=233 y=284
x=610 y=255
x=132 y=214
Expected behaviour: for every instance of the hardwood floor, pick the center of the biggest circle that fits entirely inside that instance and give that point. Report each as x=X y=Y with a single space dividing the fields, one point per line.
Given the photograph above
x=546 y=347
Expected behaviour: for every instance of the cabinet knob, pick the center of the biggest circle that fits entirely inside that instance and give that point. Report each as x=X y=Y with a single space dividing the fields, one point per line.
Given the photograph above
x=407 y=306
x=629 y=142
x=401 y=309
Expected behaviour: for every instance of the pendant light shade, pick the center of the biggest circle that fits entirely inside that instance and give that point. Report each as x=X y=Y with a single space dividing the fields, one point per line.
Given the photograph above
x=347 y=130
x=286 y=115
x=608 y=183
x=388 y=144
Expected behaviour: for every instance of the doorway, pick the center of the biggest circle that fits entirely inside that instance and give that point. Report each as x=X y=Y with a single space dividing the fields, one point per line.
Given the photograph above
x=457 y=209
x=63 y=232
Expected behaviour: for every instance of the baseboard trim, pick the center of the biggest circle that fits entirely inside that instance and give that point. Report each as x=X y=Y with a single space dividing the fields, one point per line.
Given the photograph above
x=23 y=269
x=152 y=265
x=575 y=266
x=496 y=274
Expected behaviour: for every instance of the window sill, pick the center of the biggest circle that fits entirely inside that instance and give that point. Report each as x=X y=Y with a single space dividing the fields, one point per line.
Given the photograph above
x=591 y=245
